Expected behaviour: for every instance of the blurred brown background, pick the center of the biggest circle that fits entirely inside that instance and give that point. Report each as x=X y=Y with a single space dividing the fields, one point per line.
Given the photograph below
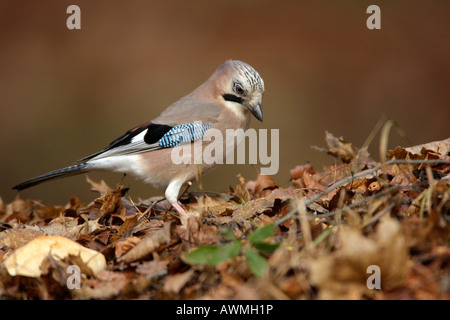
x=65 y=94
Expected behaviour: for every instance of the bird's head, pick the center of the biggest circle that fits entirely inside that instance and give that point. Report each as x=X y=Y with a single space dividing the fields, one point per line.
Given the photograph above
x=241 y=87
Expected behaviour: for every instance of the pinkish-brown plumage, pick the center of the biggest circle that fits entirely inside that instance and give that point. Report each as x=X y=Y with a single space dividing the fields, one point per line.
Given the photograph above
x=226 y=100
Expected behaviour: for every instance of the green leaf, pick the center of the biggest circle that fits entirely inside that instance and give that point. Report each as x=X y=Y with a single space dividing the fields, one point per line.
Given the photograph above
x=265 y=247
x=201 y=255
x=257 y=264
x=213 y=255
x=229 y=251
x=262 y=233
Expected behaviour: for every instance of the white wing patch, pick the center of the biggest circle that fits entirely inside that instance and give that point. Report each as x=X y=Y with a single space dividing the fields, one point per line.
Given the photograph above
x=139 y=137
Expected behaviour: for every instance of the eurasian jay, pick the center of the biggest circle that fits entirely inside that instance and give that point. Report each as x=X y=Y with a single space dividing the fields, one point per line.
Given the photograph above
x=225 y=101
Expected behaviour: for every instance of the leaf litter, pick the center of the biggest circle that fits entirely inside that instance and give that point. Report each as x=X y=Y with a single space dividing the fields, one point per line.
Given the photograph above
x=317 y=238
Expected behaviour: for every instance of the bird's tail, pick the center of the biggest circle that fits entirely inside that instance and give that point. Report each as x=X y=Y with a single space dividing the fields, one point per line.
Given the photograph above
x=60 y=173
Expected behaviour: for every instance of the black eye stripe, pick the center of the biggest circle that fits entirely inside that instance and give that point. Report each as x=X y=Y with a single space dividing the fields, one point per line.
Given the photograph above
x=232 y=97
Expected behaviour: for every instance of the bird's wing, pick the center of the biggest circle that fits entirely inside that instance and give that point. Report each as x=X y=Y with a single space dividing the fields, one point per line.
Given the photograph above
x=169 y=132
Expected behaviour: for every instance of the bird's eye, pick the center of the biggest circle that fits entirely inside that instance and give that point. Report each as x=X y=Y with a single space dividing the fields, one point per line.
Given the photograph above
x=239 y=89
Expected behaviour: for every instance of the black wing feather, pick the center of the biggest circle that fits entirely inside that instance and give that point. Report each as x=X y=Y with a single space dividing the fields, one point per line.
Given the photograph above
x=154 y=133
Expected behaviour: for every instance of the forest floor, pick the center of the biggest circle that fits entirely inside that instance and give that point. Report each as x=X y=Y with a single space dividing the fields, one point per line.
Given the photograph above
x=357 y=229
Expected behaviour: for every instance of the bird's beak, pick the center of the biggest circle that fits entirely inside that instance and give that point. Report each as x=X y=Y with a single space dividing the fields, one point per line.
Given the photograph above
x=256 y=111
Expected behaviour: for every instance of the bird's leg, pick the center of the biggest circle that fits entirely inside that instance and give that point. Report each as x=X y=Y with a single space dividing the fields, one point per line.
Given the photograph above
x=177 y=207
x=172 y=192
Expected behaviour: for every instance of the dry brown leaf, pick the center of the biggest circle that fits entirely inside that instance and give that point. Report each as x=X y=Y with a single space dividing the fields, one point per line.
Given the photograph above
x=403 y=178
x=60 y=226
x=27 y=260
x=154 y=268
x=100 y=187
x=333 y=173
x=158 y=240
x=400 y=153
x=106 y=205
x=374 y=186
x=340 y=148
x=74 y=203
x=20 y=205
x=88 y=227
x=47 y=212
x=207 y=234
x=107 y=285
x=343 y=274
x=404 y=232
x=240 y=289
x=241 y=190
x=441 y=147
x=293 y=287
x=19 y=211
x=251 y=208
x=15 y=238
x=129 y=223
x=300 y=170
x=192 y=229
x=361 y=160
x=173 y=284
x=342 y=197
x=261 y=183
x=213 y=207
x=124 y=245
x=273 y=198
x=302 y=177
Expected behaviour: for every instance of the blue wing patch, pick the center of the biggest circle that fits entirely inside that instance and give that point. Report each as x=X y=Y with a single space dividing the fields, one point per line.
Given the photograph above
x=184 y=133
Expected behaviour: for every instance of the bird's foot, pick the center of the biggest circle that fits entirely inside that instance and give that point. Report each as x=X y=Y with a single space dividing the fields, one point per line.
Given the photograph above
x=177 y=207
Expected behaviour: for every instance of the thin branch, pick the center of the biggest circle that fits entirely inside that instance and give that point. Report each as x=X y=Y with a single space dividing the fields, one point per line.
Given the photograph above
x=357 y=176
x=379 y=215
x=360 y=202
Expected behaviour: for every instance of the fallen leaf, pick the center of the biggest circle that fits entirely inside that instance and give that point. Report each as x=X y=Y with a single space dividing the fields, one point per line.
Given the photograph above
x=152 y=269
x=173 y=284
x=302 y=177
x=261 y=183
x=251 y=208
x=241 y=190
x=27 y=260
x=441 y=147
x=340 y=148
x=47 y=212
x=104 y=206
x=124 y=245
x=300 y=170
x=212 y=207
x=15 y=238
x=107 y=285
x=159 y=240
x=342 y=197
x=100 y=187
x=128 y=225
x=343 y=274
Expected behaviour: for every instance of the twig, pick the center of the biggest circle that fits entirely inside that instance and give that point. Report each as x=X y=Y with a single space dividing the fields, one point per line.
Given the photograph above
x=361 y=202
x=379 y=215
x=357 y=176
